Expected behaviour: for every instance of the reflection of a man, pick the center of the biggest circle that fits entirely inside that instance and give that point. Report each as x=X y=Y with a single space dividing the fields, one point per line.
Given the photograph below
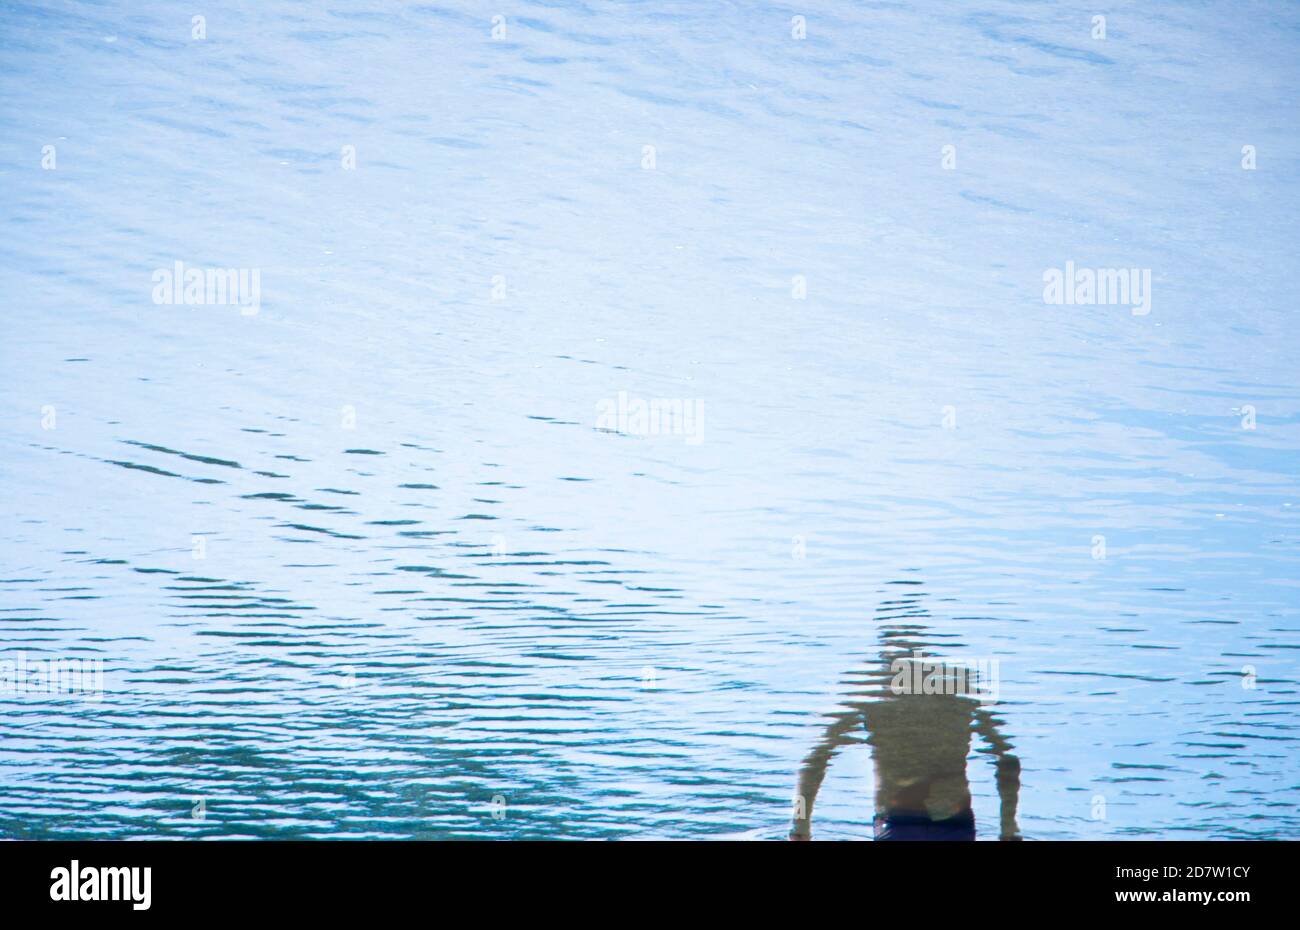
x=919 y=742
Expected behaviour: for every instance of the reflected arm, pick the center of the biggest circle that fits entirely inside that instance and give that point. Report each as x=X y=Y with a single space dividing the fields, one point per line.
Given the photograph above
x=813 y=771
x=1008 y=772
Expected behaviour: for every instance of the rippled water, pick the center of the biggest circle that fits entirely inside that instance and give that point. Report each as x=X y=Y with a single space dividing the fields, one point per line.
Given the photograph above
x=435 y=600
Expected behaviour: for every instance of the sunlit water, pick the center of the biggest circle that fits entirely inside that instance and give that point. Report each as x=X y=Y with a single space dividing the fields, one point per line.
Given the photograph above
x=435 y=600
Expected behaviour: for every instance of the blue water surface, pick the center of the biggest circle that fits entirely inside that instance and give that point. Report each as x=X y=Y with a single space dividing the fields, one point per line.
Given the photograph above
x=364 y=562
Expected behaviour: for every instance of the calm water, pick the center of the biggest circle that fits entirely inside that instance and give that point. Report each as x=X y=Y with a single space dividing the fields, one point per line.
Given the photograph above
x=362 y=564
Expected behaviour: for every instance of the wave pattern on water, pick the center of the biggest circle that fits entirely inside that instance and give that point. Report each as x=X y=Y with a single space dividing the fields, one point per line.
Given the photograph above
x=365 y=563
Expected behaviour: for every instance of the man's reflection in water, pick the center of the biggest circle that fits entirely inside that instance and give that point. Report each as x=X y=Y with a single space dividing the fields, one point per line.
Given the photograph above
x=919 y=741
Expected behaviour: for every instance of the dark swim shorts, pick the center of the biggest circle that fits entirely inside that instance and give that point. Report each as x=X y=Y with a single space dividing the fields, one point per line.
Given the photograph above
x=960 y=828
